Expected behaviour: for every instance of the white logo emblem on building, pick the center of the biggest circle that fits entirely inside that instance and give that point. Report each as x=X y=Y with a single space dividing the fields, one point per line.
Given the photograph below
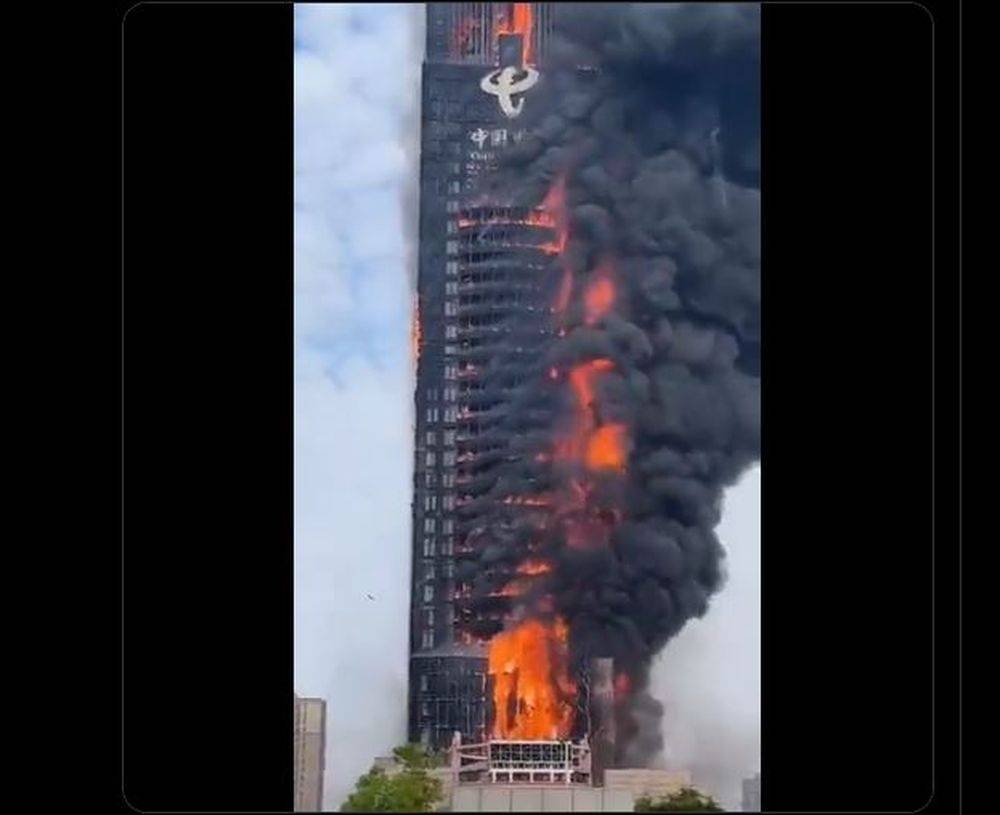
x=501 y=84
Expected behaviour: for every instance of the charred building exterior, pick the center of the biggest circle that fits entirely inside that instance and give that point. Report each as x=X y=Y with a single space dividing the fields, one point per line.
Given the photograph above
x=588 y=376
x=478 y=266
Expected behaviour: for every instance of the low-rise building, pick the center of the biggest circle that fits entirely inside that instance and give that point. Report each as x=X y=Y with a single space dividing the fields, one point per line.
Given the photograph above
x=309 y=753
x=647 y=783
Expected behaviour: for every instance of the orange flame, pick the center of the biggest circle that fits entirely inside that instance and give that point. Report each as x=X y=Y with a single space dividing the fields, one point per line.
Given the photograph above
x=556 y=216
x=532 y=217
x=532 y=691
x=533 y=694
x=513 y=589
x=554 y=206
x=582 y=379
x=527 y=500
x=623 y=685
x=599 y=297
x=416 y=332
x=521 y=22
x=606 y=448
x=600 y=447
x=534 y=567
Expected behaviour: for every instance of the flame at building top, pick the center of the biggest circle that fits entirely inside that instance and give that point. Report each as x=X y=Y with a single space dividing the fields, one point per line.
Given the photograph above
x=519 y=19
x=469 y=33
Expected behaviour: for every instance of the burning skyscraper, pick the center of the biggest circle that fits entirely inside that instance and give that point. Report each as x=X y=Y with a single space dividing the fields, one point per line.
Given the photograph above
x=587 y=342
x=479 y=306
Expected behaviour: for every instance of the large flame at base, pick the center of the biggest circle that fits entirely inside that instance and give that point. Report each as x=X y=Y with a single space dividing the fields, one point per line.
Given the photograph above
x=532 y=692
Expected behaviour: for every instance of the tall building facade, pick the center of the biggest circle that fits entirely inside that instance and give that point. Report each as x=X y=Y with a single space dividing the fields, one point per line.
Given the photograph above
x=309 y=753
x=478 y=265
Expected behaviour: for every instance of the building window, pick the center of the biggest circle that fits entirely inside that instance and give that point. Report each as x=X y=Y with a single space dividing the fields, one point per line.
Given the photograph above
x=430 y=459
x=431 y=438
x=448 y=502
x=449 y=438
x=454 y=187
x=450 y=350
x=448 y=479
x=429 y=546
x=448 y=526
x=450 y=332
x=451 y=207
x=424 y=683
x=451 y=287
x=429 y=593
x=430 y=525
x=429 y=618
x=451 y=227
x=451 y=268
x=450 y=371
x=449 y=458
x=451 y=247
x=450 y=394
x=429 y=570
x=449 y=569
x=430 y=503
x=450 y=308
x=430 y=478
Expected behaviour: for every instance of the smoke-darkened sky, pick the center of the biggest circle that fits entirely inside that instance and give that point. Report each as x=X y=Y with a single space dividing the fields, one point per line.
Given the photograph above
x=356 y=88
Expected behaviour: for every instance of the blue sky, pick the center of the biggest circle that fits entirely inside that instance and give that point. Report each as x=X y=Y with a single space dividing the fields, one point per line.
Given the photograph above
x=355 y=80
x=356 y=97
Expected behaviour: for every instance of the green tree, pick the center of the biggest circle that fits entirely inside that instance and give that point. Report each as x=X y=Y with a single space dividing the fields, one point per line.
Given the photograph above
x=409 y=790
x=416 y=757
x=687 y=799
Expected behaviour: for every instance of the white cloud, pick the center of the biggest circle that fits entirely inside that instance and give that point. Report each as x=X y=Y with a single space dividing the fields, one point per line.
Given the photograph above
x=354 y=73
x=708 y=676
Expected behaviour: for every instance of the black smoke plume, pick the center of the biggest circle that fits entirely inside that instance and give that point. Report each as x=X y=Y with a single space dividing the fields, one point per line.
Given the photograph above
x=650 y=115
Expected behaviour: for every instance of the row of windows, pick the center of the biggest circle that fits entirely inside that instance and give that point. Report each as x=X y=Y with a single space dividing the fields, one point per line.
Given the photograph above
x=447 y=436
x=473 y=112
x=447 y=502
x=472 y=681
x=495 y=235
x=447 y=543
x=447 y=479
x=447 y=458
x=498 y=298
x=450 y=393
x=447 y=526
x=435 y=147
x=430 y=573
